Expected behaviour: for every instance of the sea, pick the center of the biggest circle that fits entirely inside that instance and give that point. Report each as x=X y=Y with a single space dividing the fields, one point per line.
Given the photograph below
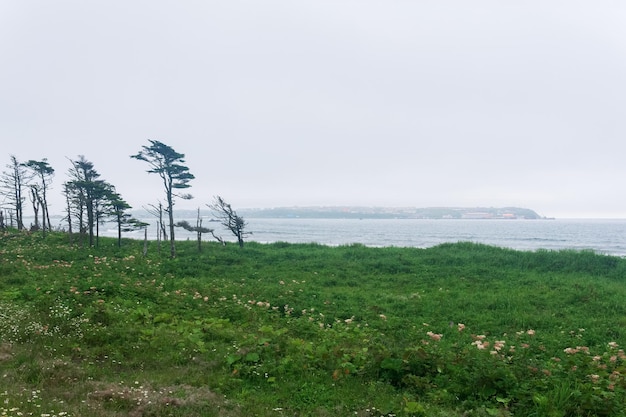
x=602 y=236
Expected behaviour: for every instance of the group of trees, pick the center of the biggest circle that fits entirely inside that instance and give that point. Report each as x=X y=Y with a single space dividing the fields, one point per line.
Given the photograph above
x=32 y=179
x=91 y=200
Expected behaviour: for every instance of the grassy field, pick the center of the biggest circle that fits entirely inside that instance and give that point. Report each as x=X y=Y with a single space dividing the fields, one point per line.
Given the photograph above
x=308 y=330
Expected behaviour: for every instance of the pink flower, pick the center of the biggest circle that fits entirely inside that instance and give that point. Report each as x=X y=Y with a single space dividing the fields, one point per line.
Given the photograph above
x=530 y=332
x=434 y=336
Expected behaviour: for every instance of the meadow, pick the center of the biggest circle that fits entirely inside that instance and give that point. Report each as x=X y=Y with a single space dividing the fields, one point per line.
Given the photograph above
x=283 y=329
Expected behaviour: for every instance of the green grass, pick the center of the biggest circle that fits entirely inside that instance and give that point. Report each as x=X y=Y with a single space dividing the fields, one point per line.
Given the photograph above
x=308 y=330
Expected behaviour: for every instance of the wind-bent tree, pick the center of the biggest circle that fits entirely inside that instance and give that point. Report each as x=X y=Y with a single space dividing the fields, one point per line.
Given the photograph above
x=35 y=199
x=87 y=197
x=68 y=193
x=116 y=208
x=229 y=219
x=90 y=201
x=85 y=189
x=168 y=164
x=39 y=190
x=13 y=182
x=198 y=229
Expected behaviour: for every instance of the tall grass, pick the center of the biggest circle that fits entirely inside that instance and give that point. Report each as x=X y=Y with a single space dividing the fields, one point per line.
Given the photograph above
x=309 y=330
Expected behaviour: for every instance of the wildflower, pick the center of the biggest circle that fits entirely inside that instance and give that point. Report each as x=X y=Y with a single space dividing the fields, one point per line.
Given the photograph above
x=613 y=345
x=570 y=351
x=434 y=336
x=613 y=358
x=480 y=345
x=530 y=332
x=382 y=316
x=594 y=378
x=461 y=326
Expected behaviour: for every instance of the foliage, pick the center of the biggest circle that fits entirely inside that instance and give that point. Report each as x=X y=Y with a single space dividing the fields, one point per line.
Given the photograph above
x=308 y=330
x=168 y=165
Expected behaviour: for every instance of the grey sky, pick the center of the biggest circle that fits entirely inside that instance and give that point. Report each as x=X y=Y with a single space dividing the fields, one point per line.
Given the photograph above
x=281 y=103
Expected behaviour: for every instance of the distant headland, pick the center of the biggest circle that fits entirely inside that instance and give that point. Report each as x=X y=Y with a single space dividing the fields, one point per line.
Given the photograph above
x=350 y=212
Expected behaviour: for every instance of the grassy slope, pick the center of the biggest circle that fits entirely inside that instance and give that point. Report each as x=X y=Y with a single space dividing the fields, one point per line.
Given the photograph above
x=308 y=330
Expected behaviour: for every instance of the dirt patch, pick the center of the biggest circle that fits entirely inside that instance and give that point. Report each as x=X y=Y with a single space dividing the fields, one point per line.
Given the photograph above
x=6 y=352
x=139 y=400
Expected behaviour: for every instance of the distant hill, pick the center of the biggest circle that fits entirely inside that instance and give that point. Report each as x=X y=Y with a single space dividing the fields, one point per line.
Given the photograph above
x=334 y=212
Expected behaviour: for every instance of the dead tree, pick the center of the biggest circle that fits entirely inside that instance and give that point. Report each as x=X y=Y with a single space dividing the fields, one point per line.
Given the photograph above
x=198 y=229
x=229 y=219
x=12 y=182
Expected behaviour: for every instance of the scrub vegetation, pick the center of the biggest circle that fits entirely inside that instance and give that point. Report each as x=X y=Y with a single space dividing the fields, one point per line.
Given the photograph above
x=308 y=330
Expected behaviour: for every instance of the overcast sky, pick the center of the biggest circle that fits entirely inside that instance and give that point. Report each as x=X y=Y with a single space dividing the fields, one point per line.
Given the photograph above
x=314 y=102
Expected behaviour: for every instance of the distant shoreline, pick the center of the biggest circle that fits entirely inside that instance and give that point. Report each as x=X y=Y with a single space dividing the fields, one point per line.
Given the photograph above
x=363 y=212
x=349 y=212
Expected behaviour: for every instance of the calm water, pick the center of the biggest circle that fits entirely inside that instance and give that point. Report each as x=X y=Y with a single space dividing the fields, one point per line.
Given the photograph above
x=602 y=236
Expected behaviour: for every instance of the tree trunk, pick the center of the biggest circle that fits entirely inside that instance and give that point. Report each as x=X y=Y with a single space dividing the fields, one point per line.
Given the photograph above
x=170 y=214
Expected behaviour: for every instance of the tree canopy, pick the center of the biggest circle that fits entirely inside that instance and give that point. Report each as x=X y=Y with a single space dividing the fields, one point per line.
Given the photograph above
x=168 y=165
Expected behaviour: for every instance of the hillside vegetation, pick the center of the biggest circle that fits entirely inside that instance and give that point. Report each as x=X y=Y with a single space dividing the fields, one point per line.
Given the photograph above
x=308 y=330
